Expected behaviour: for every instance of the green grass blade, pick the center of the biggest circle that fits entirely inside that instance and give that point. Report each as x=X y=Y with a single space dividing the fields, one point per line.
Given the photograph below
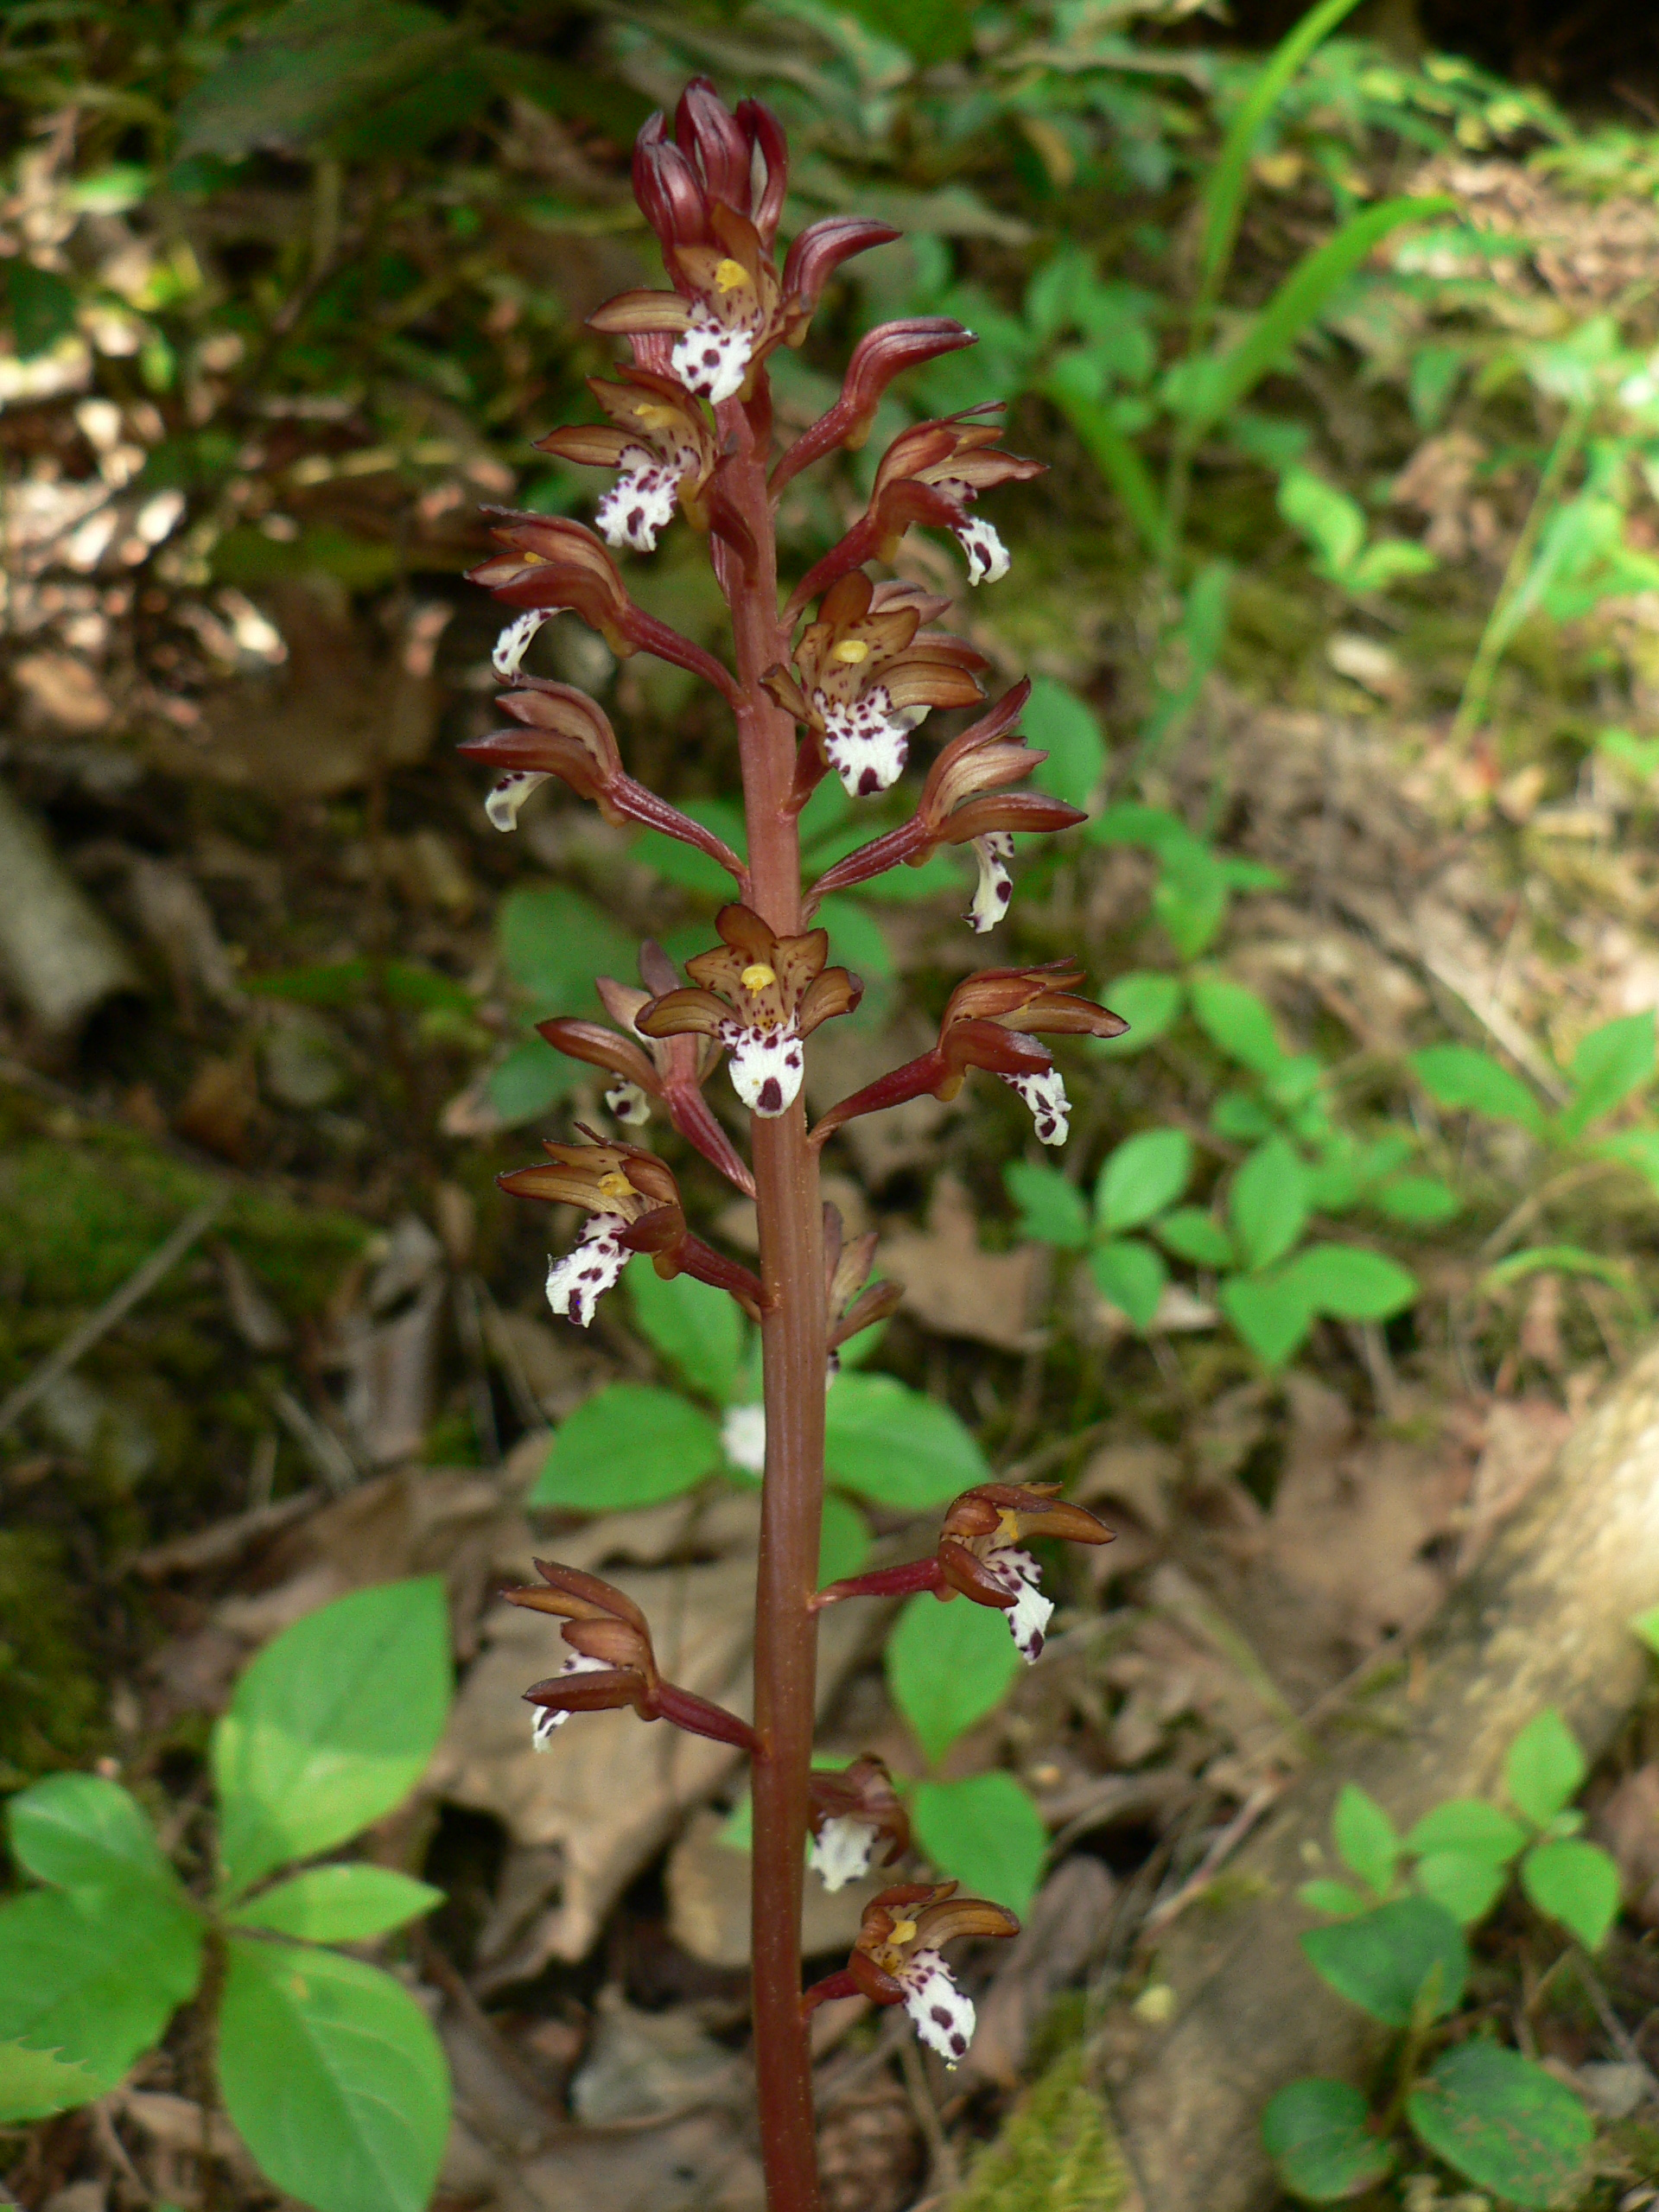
x=1113 y=453
x=1224 y=197
x=1300 y=300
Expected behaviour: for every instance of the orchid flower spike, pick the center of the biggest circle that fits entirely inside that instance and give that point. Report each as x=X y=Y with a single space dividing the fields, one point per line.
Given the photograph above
x=762 y=995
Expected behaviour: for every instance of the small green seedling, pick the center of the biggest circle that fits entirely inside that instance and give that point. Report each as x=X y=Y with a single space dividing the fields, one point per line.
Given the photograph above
x=330 y=2069
x=1397 y=1948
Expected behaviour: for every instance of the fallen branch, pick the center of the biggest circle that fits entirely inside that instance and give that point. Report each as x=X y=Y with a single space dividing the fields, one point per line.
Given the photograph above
x=115 y=1308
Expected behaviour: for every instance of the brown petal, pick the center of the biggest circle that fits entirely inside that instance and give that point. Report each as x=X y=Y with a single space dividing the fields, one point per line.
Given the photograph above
x=583 y=1595
x=633 y=311
x=953 y=1916
x=602 y=1048
x=686 y=1011
x=835 y=991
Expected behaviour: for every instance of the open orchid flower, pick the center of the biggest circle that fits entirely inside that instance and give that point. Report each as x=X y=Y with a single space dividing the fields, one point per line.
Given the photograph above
x=987 y=1023
x=980 y=1555
x=852 y=1813
x=610 y=1662
x=897 y=1960
x=635 y=1204
x=669 y=1071
x=762 y=995
x=962 y=804
x=867 y=679
x=931 y=474
x=658 y=441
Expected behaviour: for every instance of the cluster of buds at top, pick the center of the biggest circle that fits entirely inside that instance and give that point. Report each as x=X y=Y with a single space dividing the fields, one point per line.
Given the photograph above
x=730 y=305
x=634 y=1203
x=610 y=1662
x=897 y=1959
x=867 y=679
x=987 y=1023
x=980 y=1555
x=760 y=995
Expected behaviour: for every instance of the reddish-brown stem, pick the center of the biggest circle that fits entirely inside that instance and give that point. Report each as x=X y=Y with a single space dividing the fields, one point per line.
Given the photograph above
x=884 y=1582
x=794 y=1342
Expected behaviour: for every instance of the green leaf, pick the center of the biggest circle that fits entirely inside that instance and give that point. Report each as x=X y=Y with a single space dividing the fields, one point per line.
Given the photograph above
x=1318 y=2135
x=331 y=1726
x=1190 y=897
x=1503 y=2123
x=1269 y=1312
x=1565 y=1259
x=895 y=1446
x=1267 y=1204
x=1332 y=524
x=856 y=940
x=947 y=1666
x=629 y=1444
x=1646 y=1625
x=1455 y=1075
x=1098 y=424
x=555 y=942
x=1230 y=377
x=310 y=69
x=333 y=2077
x=34 y=2083
x=1469 y=1825
x=80 y=1832
x=1192 y=1234
x=337 y=1904
x=1421 y=1201
x=1149 y=1002
x=1610 y=1063
x=1337 y=1898
x=1365 y=1838
x=96 y=1975
x=1351 y=1282
x=695 y=1326
x=530 y=1081
x=1061 y=724
x=1228 y=180
x=1390 y=1960
x=1131 y=1276
x=1385 y=561
x=1051 y=1211
x=1147 y=1173
x=985 y=1833
x=1545 y=1768
x=1238 y=1023
x=843 y=1540
x=1466 y=1885
x=42 y=308
x=1576 y=1884
x=1637 y=1148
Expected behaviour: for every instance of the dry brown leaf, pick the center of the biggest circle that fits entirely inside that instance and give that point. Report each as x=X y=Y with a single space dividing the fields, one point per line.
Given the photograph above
x=608 y=1794
x=956 y=1288
x=1065 y=1927
x=700 y=2164
x=1519 y=1445
x=846 y=1058
x=648 y=2065
x=709 y=1900
x=1629 y=1826
x=61 y=692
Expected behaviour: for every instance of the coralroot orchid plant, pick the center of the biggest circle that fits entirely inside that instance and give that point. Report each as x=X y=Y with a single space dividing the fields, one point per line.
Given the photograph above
x=688 y=424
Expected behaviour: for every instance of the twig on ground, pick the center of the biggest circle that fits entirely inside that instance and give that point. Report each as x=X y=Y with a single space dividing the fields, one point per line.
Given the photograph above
x=137 y=1286
x=320 y=1443
x=1210 y=1865
x=944 y=2171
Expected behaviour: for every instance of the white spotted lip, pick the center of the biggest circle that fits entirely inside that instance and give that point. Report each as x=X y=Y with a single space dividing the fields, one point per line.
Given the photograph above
x=580 y=1280
x=502 y=807
x=1050 y=1110
x=992 y=853
x=944 y=2017
x=547 y=1719
x=841 y=1852
x=640 y=503
x=867 y=739
x=766 y=1066
x=712 y=360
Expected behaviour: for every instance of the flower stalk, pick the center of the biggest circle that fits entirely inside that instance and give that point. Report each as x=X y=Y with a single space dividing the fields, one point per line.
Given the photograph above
x=688 y=434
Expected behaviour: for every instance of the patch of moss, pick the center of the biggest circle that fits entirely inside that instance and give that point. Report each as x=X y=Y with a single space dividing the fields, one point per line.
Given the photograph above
x=50 y=1699
x=1058 y=2152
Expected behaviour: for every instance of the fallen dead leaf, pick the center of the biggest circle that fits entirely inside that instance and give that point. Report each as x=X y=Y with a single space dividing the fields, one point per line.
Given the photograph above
x=1629 y=1826
x=956 y=1288
x=709 y=1900
x=650 y=2065
x=1065 y=1925
x=697 y=2165
x=1522 y=1439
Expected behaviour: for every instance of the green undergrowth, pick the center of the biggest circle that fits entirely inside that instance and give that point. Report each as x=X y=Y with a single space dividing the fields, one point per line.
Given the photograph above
x=1058 y=2152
